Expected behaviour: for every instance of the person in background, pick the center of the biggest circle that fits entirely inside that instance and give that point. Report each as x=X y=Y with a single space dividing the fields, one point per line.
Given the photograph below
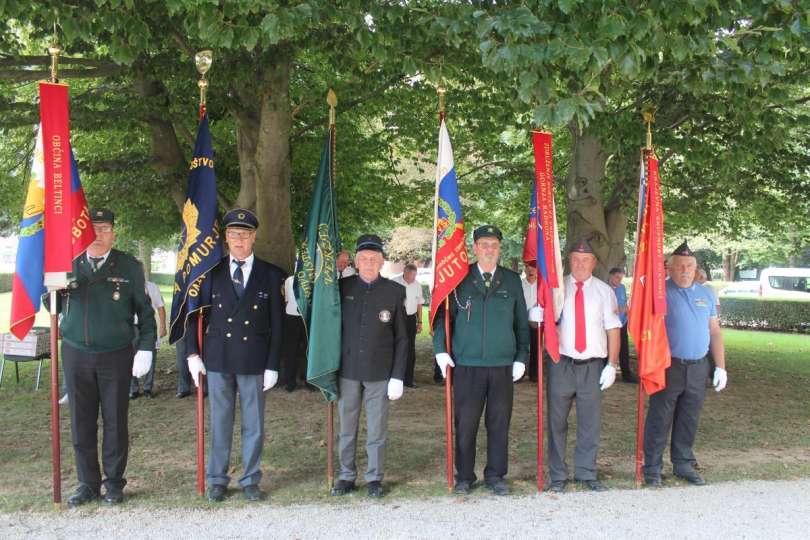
x=413 y=316
x=615 y=277
x=159 y=308
x=294 y=347
x=344 y=269
x=530 y=295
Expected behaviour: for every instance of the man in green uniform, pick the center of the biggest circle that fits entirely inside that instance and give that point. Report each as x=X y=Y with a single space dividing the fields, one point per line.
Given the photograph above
x=490 y=346
x=105 y=291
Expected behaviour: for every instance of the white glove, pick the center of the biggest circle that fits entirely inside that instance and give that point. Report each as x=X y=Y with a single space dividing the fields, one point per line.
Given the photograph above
x=608 y=377
x=536 y=314
x=518 y=369
x=444 y=360
x=720 y=379
x=195 y=367
x=270 y=379
x=395 y=388
x=142 y=363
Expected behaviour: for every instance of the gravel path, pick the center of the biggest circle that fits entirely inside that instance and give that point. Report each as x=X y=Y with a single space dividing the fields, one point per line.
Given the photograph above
x=756 y=509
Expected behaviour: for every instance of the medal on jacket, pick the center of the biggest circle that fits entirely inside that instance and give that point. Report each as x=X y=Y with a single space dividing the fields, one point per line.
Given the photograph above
x=116 y=295
x=466 y=307
x=385 y=316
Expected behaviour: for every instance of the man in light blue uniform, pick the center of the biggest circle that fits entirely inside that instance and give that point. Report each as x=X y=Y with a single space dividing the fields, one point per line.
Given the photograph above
x=615 y=277
x=692 y=330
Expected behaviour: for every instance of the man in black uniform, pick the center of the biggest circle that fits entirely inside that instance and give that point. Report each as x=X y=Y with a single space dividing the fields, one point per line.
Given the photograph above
x=374 y=353
x=242 y=343
x=106 y=289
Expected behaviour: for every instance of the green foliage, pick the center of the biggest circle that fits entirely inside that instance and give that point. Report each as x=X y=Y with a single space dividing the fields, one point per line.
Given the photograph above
x=766 y=314
x=5 y=282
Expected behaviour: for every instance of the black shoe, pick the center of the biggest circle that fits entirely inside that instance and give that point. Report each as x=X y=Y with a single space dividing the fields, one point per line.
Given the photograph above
x=593 y=485
x=148 y=394
x=83 y=495
x=252 y=493
x=630 y=378
x=312 y=388
x=342 y=487
x=216 y=493
x=134 y=395
x=693 y=478
x=410 y=385
x=375 y=489
x=114 y=495
x=438 y=381
x=497 y=486
x=182 y=394
x=557 y=486
x=462 y=487
x=289 y=387
x=654 y=481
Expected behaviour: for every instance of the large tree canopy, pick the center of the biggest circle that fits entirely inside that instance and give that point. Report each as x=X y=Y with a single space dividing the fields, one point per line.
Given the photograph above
x=729 y=80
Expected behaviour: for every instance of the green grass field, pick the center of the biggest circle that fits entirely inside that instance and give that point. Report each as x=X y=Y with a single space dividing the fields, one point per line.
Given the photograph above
x=757 y=428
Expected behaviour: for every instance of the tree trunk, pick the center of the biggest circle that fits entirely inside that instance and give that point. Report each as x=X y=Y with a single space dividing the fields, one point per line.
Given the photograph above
x=263 y=125
x=729 y=264
x=145 y=256
x=588 y=217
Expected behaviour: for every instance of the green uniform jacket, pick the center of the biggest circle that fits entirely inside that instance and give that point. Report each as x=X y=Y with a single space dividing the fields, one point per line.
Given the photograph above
x=490 y=327
x=98 y=308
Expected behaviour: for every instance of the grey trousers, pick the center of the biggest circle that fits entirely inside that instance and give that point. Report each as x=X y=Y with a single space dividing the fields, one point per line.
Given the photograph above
x=222 y=389
x=148 y=379
x=569 y=382
x=677 y=408
x=374 y=396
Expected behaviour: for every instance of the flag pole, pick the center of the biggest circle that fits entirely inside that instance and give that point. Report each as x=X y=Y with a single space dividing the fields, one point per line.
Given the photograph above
x=331 y=99
x=448 y=380
x=202 y=61
x=649 y=117
x=56 y=443
x=540 y=434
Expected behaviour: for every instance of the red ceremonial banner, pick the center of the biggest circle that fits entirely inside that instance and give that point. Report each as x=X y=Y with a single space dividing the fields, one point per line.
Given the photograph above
x=545 y=200
x=648 y=300
x=54 y=113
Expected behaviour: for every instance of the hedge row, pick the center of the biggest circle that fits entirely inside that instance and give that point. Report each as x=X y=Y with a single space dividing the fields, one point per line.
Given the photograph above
x=5 y=282
x=778 y=315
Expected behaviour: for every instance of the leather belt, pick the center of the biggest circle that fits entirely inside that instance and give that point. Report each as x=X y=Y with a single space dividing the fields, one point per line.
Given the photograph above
x=580 y=362
x=689 y=361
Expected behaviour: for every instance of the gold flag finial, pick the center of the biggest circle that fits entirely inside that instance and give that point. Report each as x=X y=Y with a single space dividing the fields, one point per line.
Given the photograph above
x=331 y=99
x=648 y=113
x=441 y=91
x=54 y=50
x=203 y=61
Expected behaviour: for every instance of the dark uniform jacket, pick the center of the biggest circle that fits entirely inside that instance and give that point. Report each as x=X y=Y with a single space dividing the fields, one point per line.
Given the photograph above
x=98 y=308
x=374 y=341
x=490 y=327
x=241 y=336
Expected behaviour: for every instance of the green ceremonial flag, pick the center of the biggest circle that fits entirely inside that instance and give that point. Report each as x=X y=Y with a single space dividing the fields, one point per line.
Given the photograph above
x=316 y=282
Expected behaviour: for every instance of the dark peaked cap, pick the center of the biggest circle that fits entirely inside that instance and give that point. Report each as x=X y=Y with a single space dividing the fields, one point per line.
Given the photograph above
x=683 y=250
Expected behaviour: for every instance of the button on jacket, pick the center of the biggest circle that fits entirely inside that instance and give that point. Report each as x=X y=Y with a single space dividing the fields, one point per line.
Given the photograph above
x=374 y=339
x=241 y=336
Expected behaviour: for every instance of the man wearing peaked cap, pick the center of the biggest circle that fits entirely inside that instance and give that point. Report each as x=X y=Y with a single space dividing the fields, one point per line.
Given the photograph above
x=242 y=344
x=373 y=358
x=490 y=348
x=106 y=291
x=692 y=330
x=589 y=349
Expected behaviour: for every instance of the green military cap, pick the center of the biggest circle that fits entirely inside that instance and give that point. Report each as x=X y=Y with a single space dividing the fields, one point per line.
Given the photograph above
x=102 y=215
x=485 y=231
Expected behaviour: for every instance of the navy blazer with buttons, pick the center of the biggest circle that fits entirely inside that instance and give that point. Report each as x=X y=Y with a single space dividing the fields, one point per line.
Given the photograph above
x=241 y=336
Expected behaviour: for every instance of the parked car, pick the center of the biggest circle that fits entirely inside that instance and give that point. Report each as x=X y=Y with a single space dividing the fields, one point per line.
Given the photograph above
x=774 y=283
x=741 y=288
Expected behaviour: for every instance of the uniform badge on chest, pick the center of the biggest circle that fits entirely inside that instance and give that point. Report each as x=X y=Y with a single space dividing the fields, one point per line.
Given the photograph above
x=385 y=316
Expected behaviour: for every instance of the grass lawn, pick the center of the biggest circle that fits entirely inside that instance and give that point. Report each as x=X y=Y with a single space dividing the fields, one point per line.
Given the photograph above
x=759 y=427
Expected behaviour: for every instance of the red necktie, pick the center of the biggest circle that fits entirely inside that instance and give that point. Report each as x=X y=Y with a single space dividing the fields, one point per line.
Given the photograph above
x=579 y=319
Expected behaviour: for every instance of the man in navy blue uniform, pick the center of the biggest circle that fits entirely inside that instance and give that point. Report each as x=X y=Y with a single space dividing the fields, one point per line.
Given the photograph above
x=242 y=343
x=373 y=358
x=692 y=330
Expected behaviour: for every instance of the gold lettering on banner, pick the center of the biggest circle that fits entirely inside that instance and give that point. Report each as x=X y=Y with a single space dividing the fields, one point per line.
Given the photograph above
x=201 y=162
x=57 y=190
x=80 y=224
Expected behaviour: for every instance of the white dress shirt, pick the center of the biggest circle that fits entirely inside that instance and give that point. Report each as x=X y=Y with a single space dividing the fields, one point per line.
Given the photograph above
x=413 y=294
x=246 y=268
x=289 y=296
x=600 y=316
x=100 y=263
x=529 y=293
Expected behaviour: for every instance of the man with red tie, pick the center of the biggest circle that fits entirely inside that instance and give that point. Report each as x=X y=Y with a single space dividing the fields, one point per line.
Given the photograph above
x=589 y=333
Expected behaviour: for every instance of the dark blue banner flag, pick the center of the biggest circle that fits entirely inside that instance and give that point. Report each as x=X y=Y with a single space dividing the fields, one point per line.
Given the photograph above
x=200 y=243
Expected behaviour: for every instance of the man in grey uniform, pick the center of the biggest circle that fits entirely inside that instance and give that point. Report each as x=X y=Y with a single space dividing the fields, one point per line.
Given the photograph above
x=589 y=333
x=374 y=354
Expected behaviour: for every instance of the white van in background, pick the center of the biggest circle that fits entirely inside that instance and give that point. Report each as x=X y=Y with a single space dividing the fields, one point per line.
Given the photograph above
x=774 y=283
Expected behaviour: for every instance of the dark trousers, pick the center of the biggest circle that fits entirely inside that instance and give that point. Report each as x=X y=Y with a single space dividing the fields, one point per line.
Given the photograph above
x=624 y=352
x=569 y=382
x=677 y=408
x=474 y=387
x=410 y=329
x=533 y=354
x=184 y=381
x=294 y=351
x=93 y=381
